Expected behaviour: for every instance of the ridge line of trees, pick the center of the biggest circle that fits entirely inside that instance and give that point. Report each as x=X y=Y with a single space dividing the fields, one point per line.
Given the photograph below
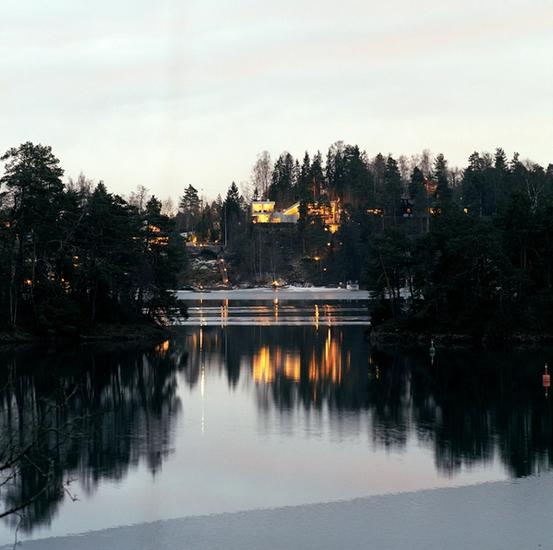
x=444 y=250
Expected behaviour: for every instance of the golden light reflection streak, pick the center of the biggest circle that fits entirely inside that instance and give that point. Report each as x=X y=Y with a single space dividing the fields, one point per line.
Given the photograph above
x=224 y=313
x=202 y=380
x=292 y=367
x=202 y=394
x=262 y=366
x=316 y=316
x=332 y=361
x=328 y=313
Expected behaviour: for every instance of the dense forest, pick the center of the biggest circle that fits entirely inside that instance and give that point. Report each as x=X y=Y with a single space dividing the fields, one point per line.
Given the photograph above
x=444 y=249
x=75 y=256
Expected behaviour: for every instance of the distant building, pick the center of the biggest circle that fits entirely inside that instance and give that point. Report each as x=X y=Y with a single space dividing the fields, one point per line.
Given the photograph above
x=329 y=213
x=264 y=212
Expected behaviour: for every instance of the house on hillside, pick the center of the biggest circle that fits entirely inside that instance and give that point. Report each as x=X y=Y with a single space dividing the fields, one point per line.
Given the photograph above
x=264 y=212
x=329 y=213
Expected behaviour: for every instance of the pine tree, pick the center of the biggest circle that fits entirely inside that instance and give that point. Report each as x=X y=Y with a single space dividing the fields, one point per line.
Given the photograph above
x=305 y=192
x=32 y=177
x=283 y=180
x=317 y=177
x=231 y=214
x=392 y=188
x=189 y=206
x=443 y=194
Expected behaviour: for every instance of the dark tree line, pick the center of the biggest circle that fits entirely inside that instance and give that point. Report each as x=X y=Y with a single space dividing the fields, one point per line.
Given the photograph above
x=445 y=249
x=484 y=264
x=73 y=256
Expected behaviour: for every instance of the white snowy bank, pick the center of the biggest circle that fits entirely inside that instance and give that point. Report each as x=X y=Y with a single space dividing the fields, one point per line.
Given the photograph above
x=505 y=515
x=288 y=293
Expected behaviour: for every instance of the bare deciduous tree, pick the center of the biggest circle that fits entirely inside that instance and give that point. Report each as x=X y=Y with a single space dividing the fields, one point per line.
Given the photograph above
x=139 y=198
x=168 y=207
x=261 y=173
x=82 y=185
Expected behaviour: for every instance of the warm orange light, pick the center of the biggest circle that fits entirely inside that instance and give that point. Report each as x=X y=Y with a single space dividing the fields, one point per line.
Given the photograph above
x=292 y=367
x=262 y=369
x=317 y=316
x=375 y=211
x=162 y=348
x=328 y=367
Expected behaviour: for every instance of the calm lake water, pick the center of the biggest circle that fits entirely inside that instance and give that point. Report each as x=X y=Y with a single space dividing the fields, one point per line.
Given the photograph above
x=230 y=415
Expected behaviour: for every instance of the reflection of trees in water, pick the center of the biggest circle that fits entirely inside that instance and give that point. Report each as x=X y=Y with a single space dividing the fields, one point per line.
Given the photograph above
x=471 y=407
x=86 y=414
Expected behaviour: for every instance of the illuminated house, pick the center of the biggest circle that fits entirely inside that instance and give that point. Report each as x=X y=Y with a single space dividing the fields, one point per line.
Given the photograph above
x=155 y=238
x=329 y=213
x=264 y=212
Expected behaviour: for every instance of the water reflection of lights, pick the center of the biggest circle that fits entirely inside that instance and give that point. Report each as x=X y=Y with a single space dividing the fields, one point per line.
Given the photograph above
x=292 y=367
x=163 y=348
x=224 y=313
x=328 y=314
x=202 y=379
x=268 y=363
x=262 y=367
x=276 y=312
x=317 y=316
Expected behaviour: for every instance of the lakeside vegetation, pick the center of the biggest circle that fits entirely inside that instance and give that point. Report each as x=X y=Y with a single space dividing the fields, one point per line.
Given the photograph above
x=445 y=250
x=74 y=257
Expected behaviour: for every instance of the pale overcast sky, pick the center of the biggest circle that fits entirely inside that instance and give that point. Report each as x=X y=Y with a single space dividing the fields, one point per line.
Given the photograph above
x=177 y=92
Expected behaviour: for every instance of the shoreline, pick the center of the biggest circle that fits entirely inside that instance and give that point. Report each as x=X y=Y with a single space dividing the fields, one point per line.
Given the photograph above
x=458 y=340
x=140 y=332
x=269 y=294
x=133 y=332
